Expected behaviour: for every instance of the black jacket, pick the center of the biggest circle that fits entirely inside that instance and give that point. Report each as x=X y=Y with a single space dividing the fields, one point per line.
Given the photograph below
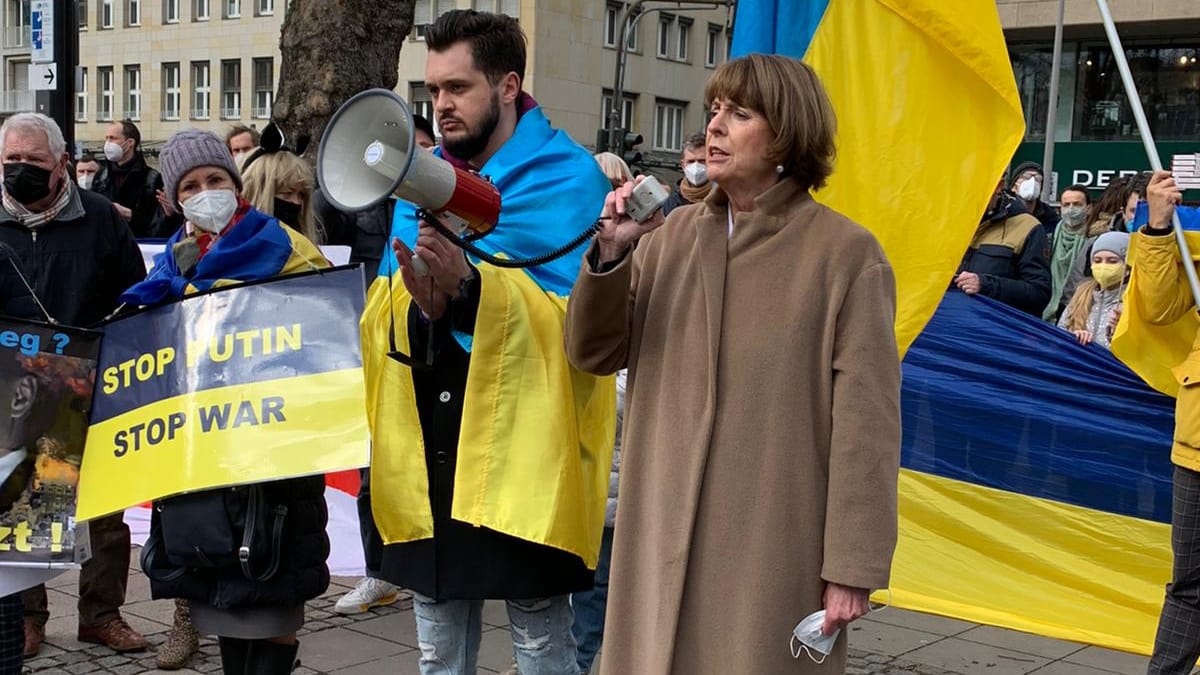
x=462 y=561
x=303 y=574
x=1010 y=254
x=78 y=264
x=365 y=232
x=134 y=186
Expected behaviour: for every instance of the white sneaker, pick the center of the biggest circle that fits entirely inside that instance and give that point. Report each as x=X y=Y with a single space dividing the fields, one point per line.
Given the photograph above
x=367 y=594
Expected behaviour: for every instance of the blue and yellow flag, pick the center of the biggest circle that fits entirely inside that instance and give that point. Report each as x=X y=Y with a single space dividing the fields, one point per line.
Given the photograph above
x=256 y=247
x=537 y=434
x=928 y=118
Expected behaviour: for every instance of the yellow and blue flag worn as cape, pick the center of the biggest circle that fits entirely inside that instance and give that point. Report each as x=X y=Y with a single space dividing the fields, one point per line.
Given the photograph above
x=537 y=434
x=256 y=247
x=925 y=99
x=1153 y=351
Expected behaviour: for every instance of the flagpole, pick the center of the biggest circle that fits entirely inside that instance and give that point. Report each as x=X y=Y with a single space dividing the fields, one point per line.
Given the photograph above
x=1052 y=108
x=1135 y=102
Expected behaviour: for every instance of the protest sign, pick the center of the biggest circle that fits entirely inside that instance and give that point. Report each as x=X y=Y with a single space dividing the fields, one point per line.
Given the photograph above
x=248 y=383
x=46 y=378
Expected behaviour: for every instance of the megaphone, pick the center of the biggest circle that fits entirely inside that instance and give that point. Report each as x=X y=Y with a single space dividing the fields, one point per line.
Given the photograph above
x=369 y=152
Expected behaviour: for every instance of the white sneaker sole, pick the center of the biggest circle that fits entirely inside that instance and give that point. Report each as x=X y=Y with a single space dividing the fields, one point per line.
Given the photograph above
x=359 y=609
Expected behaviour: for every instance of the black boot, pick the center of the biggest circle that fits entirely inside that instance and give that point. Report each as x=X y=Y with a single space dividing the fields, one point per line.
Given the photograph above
x=235 y=654
x=271 y=658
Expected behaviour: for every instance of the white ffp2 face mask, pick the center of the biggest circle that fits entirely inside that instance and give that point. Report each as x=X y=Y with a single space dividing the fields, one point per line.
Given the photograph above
x=85 y=181
x=113 y=151
x=812 y=640
x=211 y=210
x=696 y=173
x=1030 y=188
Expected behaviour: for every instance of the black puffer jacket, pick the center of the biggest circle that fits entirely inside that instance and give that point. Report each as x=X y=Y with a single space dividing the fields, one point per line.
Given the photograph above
x=134 y=186
x=303 y=574
x=1010 y=253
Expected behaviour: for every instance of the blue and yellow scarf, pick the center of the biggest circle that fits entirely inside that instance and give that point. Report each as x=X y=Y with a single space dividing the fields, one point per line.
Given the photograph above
x=255 y=247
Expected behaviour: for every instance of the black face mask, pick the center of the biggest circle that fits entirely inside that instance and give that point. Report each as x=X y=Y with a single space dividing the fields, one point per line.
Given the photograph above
x=26 y=183
x=287 y=212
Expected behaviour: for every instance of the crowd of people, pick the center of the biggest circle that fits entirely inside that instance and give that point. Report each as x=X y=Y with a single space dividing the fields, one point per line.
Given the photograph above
x=716 y=448
x=1066 y=265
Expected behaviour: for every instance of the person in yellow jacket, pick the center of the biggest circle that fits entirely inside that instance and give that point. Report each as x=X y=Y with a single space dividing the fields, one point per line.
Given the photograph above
x=1161 y=292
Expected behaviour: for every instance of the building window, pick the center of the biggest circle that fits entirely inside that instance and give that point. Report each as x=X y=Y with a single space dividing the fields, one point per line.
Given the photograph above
x=422 y=103
x=664 y=35
x=104 y=102
x=231 y=89
x=507 y=7
x=81 y=13
x=171 y=96
x=201 y=10
x=627 y=106
x=265 y=7
x=106 y=14
x=133 y=12
x=1031 y=67
x=710 y=46
x=426 y=12
x=264 y=88
x=1167 y=78
x=81 y=96
x=683 y=39
x=133 y=93
x=201 y=89
x=170 y=11
x=612 y=32
x=668 y=126
x=233 y=9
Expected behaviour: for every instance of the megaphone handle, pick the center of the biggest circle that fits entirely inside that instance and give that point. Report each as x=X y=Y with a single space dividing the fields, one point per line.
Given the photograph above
x=419 y=267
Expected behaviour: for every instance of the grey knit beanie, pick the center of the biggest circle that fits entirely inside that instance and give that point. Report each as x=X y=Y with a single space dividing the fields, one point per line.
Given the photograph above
x=191 y=148
x=1116 y=242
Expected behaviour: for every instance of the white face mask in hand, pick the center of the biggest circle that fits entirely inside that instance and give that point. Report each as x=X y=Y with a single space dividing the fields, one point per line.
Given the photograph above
x=210 y=210
x=808 y=634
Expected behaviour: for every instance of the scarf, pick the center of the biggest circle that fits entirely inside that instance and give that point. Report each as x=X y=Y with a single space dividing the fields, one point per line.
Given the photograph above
x=1068 y=243
x=33 y=220
x=694 y=194
x=257 y=248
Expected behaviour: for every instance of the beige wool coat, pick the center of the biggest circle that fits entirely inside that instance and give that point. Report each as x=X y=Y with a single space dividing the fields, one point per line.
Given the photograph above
x=762 y=430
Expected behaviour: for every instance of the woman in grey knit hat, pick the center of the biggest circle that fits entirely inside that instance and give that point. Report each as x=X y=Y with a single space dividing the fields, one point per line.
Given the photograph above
x=253 y=603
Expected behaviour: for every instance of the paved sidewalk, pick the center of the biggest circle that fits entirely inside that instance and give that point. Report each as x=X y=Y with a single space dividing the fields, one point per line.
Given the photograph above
x=383 y=642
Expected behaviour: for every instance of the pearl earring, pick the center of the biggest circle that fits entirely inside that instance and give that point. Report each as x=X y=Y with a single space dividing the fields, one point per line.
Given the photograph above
x=778 y=168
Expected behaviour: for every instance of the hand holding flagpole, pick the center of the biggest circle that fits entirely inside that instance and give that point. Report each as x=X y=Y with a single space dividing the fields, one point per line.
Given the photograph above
x=1135 y=102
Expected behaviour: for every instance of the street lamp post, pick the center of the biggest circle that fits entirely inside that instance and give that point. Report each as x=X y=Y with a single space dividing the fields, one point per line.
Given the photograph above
x=630 y=16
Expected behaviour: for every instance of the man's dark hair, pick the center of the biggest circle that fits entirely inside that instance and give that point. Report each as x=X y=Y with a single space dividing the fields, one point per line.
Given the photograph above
x=497 y=41
x=1087 y=196
x=239 y=129
x=86 y=158
x=130 y=130
x=423 y=124
x=696 y=141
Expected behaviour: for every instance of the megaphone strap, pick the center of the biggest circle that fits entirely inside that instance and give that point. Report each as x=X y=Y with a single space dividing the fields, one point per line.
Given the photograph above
x=512 y=263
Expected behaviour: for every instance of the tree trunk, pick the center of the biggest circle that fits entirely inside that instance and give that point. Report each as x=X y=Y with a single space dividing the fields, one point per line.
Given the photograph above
x=333 y=49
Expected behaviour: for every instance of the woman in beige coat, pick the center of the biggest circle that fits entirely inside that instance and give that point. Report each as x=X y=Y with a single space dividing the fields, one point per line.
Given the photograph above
x=763 y=420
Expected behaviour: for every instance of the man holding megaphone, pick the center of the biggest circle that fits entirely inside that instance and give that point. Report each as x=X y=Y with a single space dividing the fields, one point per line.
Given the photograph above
x=491 y=453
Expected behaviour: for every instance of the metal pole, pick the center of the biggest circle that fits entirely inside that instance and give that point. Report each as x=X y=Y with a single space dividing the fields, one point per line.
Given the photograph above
x=629 y=19
x=1135 y=102
x=1052 y=107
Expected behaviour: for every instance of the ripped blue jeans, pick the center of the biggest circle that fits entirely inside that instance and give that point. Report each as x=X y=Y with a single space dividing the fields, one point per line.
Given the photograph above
x=449 y=633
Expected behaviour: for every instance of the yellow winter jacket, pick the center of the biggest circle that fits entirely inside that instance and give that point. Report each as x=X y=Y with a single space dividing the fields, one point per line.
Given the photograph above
x=1158 y=335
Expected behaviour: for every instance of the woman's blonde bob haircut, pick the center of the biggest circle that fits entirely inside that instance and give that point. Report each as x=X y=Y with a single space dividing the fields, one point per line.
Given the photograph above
x=273 y=173
x=789 y=94
x=614 y=168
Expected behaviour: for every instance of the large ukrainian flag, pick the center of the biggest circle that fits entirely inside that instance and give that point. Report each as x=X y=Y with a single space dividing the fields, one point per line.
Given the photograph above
x=1003 y=517
x=928 y=119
